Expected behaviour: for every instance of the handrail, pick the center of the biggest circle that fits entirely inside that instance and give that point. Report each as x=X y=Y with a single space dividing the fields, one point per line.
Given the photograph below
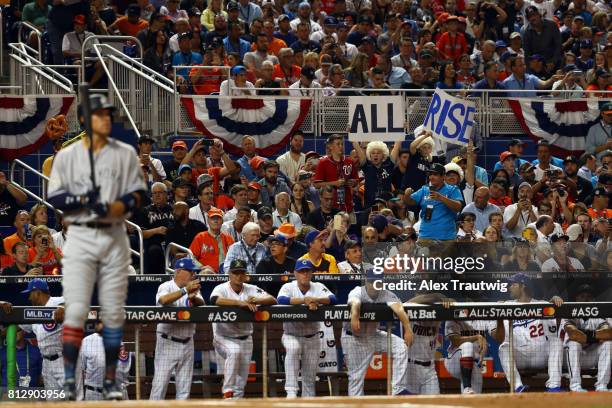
x=20 y=54
x=128 y=61
x=115 y=38
x=1 y=43
x=167 y=255
x=37 y=31
x=121 y=61
x=46 y=179
x=140 y=255
x=114 y=86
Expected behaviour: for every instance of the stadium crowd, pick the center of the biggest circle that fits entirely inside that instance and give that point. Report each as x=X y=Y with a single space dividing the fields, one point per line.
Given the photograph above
x=516 y=45
x=325 y=208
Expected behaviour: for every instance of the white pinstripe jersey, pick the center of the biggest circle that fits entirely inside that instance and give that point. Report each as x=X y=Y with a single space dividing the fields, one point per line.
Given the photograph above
x=468 y=328
x=94 y=365
x=48 y=335
x=180 y=330
x=224 y=290
x=424 y=340
x=291 y=290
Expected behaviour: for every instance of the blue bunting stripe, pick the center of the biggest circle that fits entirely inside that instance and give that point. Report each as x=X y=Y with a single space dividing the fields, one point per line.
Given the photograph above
x=28 y=124
x=249 y=128
x=546 y=124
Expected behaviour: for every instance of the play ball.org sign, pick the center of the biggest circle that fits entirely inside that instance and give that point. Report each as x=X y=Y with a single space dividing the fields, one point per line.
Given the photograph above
x=450 y=119
x=376 y=118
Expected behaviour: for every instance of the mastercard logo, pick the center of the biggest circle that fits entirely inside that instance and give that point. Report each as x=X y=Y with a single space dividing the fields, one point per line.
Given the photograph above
x=183 y=315
x=284 y=278
x=262 y=316
x=549 y=311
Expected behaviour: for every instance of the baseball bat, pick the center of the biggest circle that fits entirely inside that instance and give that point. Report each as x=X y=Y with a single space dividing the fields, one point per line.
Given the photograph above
x=84 y=89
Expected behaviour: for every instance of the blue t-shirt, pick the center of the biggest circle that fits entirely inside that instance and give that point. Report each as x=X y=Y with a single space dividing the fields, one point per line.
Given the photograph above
x=517 y=163
x=180 y=59
x=555 y=161
x=442 y=223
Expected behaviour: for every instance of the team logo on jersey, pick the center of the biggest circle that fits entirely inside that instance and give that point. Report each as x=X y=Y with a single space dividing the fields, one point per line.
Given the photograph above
x=49 y=327
x=123 y=355
x=461 y=313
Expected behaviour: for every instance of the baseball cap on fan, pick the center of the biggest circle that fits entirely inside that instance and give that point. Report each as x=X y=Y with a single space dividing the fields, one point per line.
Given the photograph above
x=37 y=284
x=519 y=278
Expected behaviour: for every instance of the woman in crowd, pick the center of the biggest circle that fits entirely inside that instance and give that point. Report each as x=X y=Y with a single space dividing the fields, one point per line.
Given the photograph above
x=448 y=77
x=492 y=238
x=43 y=252
x=39 y=216
x=299 y=203
x=338 y=237
x=600 y=82
x=357 y=72
x=208 y=16
x=522 y=259
x=158 y=57
x=465 y=74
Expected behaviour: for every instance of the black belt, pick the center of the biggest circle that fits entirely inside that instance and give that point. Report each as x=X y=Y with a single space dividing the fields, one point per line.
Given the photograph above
x=93 y=224
x=310 y=336
x=91 y=388
x=175 y=339
x=238 y=338
x=421 y=363
x=52 y=357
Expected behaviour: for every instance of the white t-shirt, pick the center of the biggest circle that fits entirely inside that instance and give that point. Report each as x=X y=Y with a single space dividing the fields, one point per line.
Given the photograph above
x=180 y=330
x=288 y=165
x=225 y=290
x=551 y=265
x=291 y=290
x=539 y=173
x=231 y=215
x=522 y=222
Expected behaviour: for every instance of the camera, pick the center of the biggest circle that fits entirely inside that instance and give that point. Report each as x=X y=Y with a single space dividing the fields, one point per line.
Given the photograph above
x=207 y=142
x=551 y=174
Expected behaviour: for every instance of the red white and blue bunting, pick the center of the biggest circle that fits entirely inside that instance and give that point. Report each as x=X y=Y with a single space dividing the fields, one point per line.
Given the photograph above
x=563 y=123
x=269 y=121
x=23 y=120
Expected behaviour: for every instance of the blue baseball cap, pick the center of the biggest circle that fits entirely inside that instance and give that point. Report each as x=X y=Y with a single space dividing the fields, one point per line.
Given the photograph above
x=519 y=278
x=183 y=167
x=505 y=56
x=280 y=238
x=330 y=21
x=311 y=236
x=500 y=44
x=238 y=69
x=372 y=276
x=303 y=265
x=187 y=264
x=37 y=284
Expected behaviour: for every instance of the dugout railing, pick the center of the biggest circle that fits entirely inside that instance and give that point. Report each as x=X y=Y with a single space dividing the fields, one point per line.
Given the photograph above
x=269 y=315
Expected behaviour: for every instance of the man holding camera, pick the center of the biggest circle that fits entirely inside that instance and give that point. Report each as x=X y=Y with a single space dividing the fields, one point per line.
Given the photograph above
x=521 y=213
x=152 y=167
x=440 y=203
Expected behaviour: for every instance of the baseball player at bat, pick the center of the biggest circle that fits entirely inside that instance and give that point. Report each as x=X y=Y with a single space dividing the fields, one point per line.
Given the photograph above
x=536 y=341
x=360 y=340
x=48 y=335
x=97 y=246
x=93 y=365
x=467 y=349
x=233 y=342
x=174 y=347
x=301 y=339
x=587 y=344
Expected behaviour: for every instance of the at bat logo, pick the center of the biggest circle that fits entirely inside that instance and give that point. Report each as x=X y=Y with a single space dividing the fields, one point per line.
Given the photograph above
x=49 y=327
x=123 y=355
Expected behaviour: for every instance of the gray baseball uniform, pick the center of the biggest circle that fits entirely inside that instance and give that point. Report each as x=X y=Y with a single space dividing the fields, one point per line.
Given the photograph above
x=96 y=254
x=94 y=366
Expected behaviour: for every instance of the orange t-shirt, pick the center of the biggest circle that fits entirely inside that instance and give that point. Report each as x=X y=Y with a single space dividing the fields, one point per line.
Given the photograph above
x=273 y=47
x=10 y=241
x=209 y=80
x=206 y=249
x=607 y=213
x=128 y=28
x=47 y=262
x=452 y=47
x=294 y=76
x=596 y=88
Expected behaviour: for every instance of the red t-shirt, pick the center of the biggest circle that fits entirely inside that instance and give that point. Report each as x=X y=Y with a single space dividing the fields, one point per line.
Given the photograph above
x=294 y=76
x=452 y=47
x=330 y=170
x=212 y=171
